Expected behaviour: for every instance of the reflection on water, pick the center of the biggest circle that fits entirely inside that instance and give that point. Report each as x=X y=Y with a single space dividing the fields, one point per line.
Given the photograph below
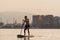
x=25 y=38
x=39 y=34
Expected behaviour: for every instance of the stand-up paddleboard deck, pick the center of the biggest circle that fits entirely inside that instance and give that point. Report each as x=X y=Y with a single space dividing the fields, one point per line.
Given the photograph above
x=22 y=36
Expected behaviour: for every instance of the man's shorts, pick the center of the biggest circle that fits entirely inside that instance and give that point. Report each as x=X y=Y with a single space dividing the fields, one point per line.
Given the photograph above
x=27 y=27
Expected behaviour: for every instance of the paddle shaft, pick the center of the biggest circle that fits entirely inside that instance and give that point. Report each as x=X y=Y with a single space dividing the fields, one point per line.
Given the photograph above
x=21 y=30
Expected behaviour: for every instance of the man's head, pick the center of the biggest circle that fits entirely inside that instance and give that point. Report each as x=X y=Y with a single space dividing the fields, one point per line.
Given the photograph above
x=25 y=17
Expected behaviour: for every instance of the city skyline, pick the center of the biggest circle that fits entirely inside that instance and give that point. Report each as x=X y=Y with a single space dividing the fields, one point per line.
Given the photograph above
x=9 y=18
x=38 y=21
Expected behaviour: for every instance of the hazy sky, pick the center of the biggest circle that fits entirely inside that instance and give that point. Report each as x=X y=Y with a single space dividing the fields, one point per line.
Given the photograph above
x=30 y=7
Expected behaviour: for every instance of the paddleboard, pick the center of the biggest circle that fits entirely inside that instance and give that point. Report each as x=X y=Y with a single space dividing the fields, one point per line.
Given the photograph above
x=22 y=36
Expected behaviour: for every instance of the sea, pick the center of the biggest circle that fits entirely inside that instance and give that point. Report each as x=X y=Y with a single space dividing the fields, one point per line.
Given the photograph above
x=38 y=34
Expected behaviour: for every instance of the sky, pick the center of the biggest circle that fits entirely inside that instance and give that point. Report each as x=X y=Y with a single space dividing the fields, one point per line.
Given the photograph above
x=20 y=8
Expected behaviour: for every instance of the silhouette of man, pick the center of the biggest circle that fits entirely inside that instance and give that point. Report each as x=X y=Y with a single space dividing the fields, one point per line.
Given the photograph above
x=26 y=23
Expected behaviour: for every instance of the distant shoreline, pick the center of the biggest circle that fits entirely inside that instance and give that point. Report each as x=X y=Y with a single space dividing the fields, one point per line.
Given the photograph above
x=30 y=28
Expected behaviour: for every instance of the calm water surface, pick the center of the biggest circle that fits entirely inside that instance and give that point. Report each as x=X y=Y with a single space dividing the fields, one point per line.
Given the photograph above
x=39 y=34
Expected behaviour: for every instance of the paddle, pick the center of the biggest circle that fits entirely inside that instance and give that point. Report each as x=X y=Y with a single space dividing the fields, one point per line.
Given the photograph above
x=20 y=36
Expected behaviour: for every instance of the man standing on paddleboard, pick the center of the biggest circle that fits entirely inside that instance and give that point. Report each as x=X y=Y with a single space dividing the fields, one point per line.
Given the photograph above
x=27 y=25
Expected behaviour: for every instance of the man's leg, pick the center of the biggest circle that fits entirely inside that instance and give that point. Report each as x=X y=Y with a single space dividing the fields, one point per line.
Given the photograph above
x=24 y=32
x=28 y=32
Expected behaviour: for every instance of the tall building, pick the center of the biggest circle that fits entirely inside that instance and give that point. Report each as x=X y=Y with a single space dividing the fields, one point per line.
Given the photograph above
x=42 y=20
x=57 y=20
x=35 y=20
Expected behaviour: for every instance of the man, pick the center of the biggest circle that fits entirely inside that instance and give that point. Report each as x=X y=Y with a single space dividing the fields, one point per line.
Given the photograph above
x=26 y=23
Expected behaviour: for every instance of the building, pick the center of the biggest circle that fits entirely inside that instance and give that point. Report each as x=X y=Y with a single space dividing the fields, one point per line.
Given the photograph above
x=40 y=21
x=57 y=20
x=35 y=20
